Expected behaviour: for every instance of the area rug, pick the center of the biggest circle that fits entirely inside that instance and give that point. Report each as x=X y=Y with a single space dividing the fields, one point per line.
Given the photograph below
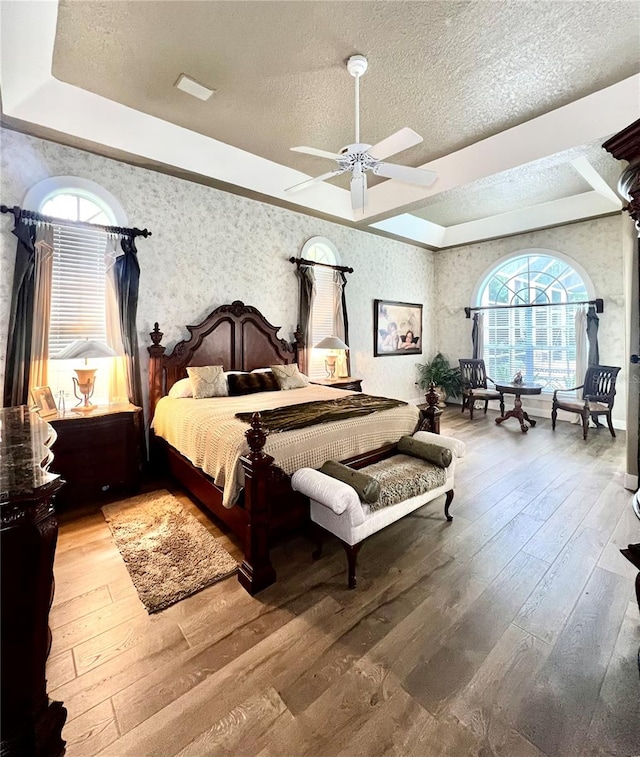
x=168 y=553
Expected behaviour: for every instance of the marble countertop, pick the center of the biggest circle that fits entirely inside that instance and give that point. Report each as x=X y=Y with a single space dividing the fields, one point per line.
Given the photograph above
x=25 y=456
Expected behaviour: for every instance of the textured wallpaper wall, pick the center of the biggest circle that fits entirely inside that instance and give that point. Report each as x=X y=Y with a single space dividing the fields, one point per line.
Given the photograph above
x=596 y=245
x=210 y=247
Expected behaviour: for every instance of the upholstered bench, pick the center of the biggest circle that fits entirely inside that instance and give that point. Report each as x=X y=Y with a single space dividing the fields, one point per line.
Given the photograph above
x=406 y=483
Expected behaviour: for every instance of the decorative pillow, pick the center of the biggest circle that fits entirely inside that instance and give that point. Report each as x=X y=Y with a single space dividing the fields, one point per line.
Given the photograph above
x=289 y=377
x=432 y=453
x=457 y=447
x=181 y=389
x=208 y=381
x=249 y=383
x=367 y=488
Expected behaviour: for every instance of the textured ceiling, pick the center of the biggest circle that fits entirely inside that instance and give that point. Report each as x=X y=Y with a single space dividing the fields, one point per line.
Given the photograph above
x=456 y=72
x=542 y=181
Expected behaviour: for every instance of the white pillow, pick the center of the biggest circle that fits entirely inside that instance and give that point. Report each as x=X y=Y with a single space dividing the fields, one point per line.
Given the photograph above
x=208 y=381
x=289 y=377
x=181 y=389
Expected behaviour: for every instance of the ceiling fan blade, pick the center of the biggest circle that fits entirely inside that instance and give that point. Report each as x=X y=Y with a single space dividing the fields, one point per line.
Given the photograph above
x=309 y=182
x=359 y=191
x=318 y=153
x=406 y=173
x=401 y=140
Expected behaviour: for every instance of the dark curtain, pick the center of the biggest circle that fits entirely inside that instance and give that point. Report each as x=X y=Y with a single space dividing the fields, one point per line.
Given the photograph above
x=18 y=364
x=307 y=295
x=593 y=323
x=474 y=336
x=127 y=278
x=344 y=306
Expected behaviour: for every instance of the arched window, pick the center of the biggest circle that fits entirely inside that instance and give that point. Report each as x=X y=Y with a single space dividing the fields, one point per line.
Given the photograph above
x=78 y=307
x=321 y=250
x=539 y=341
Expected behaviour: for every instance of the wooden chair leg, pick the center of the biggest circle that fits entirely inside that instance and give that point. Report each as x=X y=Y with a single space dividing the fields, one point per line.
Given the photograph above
x=585 y=426
x=447 y=504
x=554 y=418
x=464 y=400
x=471 y=404
x=317 y=534
x=352 y=556
x=486 y=405
x=610 y=424
x=502 y=405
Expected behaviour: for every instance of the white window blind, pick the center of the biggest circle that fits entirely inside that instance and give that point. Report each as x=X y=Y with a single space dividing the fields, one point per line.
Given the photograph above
x=78 y=287
x=538 y=341
x=322 y=321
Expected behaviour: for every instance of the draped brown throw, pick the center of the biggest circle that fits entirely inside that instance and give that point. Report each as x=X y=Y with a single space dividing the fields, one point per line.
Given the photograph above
x=18 y=364
x=312 y=413
x=127 y=279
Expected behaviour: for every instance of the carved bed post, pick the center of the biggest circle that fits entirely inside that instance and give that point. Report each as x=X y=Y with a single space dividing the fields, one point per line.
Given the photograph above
x=430 y=415
x=256 y=571
x=300 y=353
x=156 y=352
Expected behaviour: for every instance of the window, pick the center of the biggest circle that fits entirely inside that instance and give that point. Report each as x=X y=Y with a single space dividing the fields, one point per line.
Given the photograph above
x=539 y=341
x=78 y=275
x=324 y=306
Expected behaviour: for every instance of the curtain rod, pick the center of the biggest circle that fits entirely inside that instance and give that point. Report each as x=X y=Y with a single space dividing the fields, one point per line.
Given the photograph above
x=31 y=215
x=599 y=303
x=303 y=261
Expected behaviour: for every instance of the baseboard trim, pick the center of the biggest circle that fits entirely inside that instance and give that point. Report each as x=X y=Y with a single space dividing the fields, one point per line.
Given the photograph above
x=630 y=482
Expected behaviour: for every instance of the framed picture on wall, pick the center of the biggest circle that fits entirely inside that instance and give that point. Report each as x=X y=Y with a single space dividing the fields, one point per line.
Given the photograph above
x=397 y=328
x=43 y=400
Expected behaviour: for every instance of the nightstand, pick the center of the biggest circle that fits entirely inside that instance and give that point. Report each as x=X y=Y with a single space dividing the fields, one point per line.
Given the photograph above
x=98 y=454
x=350 y=383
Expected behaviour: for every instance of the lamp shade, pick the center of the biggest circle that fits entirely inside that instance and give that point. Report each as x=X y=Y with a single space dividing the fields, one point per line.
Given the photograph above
x=85 y=348
x=331 y=343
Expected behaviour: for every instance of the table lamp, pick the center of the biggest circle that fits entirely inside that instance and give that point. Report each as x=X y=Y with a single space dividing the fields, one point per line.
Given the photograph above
x=331 y=344
x=86 y=377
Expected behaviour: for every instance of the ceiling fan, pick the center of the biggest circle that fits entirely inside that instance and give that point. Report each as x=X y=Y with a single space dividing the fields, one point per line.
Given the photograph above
x=361 y=157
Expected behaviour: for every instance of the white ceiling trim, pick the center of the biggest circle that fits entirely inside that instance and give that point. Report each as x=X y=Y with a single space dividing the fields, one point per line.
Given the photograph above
x=30 y=93
x=580 y=122
x=565 y=210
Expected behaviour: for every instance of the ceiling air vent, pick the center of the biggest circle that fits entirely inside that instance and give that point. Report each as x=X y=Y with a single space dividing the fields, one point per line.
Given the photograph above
x=192 y=87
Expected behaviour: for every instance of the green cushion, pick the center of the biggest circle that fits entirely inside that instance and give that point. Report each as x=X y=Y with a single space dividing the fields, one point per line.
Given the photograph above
x=433 y=453
x=367 y=488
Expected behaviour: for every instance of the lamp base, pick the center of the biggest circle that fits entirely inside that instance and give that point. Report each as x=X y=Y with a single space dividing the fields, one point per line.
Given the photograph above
x=84 y=408
x=330 y=366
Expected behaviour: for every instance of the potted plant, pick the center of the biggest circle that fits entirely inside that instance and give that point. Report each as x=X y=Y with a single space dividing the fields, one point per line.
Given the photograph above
x=448 y=380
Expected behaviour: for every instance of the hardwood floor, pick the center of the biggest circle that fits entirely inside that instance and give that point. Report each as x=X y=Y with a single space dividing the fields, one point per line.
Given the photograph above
x=511 y=631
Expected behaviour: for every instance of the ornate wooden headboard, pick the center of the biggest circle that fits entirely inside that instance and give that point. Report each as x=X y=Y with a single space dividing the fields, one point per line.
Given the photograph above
x=236 y=336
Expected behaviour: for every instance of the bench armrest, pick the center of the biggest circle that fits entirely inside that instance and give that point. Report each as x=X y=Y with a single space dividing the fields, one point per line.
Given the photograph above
x=457 y=447
x=327 y=491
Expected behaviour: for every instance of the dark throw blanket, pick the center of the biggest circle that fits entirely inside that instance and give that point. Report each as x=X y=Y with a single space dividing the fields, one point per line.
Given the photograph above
x=324 y=411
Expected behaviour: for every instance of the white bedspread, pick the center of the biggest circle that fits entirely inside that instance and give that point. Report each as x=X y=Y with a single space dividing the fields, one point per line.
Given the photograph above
x=206 y=432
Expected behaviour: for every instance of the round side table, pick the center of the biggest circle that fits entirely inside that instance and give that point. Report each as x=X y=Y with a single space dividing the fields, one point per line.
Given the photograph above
x=518 y=390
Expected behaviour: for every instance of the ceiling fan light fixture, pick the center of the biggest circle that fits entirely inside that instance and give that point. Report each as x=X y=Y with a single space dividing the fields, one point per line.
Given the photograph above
x=193 y=88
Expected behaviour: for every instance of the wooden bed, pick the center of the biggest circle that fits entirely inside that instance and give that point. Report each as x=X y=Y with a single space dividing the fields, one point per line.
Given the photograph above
x=240 y=338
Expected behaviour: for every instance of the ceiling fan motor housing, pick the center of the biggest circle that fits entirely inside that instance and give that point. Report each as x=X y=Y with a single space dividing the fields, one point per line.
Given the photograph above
x=357 y=153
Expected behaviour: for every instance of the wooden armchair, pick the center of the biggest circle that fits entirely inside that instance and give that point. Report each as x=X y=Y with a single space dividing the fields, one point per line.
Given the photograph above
x=474 y=386
x=598 y=393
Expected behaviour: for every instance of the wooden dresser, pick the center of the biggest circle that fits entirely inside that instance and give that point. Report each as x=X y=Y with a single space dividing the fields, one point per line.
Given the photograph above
x=31 y=723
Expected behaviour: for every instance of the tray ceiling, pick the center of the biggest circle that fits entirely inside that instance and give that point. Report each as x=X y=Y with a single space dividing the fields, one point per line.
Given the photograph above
x=505 y=95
